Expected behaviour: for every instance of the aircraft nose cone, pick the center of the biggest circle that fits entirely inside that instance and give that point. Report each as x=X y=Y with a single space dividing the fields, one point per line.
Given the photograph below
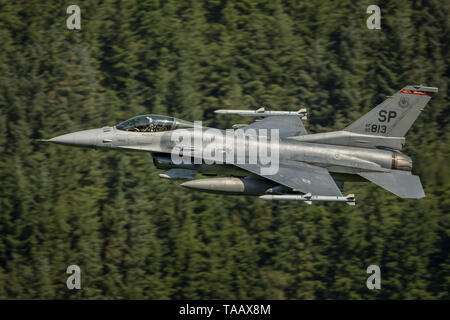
x=80 y=138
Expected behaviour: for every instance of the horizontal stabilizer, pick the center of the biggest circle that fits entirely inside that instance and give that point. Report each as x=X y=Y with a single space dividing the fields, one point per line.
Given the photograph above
x=402 y=184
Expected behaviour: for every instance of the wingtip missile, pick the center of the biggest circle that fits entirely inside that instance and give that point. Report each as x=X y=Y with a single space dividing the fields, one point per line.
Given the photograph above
x=303 y=111
x=262 y=112
x=351 y=199
x=309 y=198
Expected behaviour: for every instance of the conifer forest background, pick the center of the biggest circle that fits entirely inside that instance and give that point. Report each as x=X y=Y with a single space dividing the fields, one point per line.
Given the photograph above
x=136 y=236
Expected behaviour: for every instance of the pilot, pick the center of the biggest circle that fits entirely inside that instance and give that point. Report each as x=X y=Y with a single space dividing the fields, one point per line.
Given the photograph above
x=149 y=125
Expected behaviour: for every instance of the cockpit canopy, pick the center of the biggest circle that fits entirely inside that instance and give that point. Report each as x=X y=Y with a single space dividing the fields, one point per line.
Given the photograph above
x=153 y=123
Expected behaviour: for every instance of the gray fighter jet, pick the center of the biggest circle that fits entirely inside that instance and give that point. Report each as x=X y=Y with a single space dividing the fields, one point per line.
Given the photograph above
x=301 y=166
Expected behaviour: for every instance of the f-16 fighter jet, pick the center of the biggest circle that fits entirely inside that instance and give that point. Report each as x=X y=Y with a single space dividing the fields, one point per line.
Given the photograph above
x=275 y=158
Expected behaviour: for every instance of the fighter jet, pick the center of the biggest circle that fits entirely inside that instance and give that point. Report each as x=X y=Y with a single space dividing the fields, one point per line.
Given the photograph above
x=274 y=157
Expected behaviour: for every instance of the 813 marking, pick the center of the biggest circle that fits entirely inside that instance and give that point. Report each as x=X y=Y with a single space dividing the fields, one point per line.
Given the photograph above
x=375 y=128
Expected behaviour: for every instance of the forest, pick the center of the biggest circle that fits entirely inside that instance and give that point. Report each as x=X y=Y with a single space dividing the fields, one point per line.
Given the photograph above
x=136 y=236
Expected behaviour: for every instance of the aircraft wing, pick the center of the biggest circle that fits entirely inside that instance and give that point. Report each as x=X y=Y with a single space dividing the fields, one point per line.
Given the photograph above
x=301 y=177
x=288 y=125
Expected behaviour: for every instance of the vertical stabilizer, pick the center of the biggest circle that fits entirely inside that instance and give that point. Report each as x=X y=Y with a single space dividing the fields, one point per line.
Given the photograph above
x=394 y=116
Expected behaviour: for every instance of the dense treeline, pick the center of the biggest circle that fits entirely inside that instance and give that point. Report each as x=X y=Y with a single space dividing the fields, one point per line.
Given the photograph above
x=136 y=236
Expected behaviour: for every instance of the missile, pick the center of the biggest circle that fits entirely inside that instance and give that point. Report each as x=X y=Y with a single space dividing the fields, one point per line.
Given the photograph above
x=308 y=198
x=261 y=112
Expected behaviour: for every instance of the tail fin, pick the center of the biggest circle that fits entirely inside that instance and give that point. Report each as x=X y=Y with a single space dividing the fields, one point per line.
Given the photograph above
x=394 y=116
